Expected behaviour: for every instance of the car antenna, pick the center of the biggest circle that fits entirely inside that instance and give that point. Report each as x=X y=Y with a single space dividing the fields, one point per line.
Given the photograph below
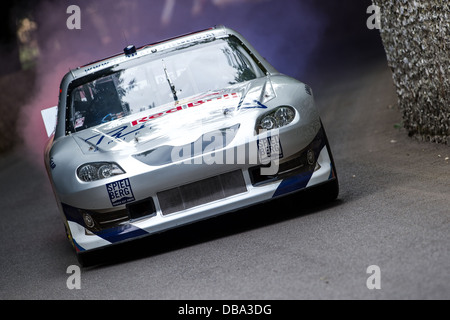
x=125 y=38
x=172 y=86
x=129 y=50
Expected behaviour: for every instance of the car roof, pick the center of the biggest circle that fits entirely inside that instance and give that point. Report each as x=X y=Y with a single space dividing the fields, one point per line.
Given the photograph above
x=215 y=32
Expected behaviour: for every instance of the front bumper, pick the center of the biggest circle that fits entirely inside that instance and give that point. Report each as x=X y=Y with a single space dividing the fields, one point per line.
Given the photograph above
x=233 y=188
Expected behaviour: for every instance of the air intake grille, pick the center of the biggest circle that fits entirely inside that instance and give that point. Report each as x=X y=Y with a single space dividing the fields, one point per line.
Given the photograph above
x=201 y=192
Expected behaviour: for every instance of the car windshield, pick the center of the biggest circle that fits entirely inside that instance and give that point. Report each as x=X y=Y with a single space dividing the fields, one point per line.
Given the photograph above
x=182 y=73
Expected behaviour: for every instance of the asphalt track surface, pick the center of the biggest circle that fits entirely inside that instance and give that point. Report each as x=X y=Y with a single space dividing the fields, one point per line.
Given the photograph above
x=393 y=212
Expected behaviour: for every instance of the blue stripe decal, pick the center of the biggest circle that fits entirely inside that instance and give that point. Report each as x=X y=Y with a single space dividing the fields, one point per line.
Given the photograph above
x=293 y=184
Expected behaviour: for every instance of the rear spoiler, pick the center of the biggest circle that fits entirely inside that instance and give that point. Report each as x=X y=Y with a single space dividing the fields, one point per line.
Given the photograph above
x=49 y=116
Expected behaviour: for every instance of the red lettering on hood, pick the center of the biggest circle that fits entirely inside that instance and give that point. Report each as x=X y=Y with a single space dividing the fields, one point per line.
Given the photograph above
x=175 y=109
x=179 y=108
x=196 y=104
x=156 y=115
x=136 y=122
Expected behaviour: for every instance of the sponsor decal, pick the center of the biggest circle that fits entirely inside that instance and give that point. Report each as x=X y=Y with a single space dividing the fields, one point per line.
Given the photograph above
x=79 y=122
x=182 y=107
x=52 y=163
x=255 y=105
x=115 y=134
x=120 y=192
x=270 y=149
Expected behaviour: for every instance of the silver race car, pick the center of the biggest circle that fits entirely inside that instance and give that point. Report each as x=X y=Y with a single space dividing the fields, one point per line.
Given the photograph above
x=179 y=131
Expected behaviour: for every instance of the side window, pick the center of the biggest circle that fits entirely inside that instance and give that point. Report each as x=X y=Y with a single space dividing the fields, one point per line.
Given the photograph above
x=80 y=105
x=95 y=103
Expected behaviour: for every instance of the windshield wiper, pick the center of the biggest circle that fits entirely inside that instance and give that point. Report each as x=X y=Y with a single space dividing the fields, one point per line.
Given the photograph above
x=172 y=86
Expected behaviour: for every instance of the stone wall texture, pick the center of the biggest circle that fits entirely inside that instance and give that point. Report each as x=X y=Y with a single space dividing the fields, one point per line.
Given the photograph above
x=416 y=37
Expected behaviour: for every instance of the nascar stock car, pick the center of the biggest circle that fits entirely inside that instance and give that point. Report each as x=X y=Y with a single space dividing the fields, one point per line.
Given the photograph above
x=179 y=131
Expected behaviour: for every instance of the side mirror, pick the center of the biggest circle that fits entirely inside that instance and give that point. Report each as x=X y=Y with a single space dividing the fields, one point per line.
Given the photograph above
x=49 y=116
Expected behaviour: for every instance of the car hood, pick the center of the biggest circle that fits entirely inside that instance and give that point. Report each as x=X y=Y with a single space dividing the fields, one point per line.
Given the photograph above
x=180 y=122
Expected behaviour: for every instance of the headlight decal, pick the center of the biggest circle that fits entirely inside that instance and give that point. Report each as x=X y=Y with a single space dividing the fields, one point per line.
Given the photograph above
x=254 y=105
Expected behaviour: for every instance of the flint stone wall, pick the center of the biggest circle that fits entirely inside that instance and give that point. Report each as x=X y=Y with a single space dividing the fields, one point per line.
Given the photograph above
x=416 y=37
